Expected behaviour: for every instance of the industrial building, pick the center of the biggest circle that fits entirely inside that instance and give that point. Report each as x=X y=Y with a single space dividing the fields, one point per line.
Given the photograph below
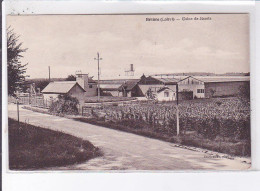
x=223 y=86
x=213 y=86
x=191 y=87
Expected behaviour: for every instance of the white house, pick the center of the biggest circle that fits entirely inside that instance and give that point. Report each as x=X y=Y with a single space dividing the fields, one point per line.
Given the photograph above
x=166 y=94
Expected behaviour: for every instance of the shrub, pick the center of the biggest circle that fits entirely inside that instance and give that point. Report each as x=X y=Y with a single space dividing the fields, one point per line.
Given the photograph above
x=65 y=105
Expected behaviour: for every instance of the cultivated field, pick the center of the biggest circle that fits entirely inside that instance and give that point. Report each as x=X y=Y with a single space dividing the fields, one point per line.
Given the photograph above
x=107 y=99
x=221 y=124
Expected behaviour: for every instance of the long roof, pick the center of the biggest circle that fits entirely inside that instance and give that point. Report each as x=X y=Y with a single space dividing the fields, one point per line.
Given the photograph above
x=206 y=79
x=212 y=79
x=60 y=87
x=158 y=80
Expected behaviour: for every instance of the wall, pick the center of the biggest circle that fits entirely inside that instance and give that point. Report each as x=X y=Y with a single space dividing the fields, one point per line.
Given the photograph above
x=78 y=93
x=223 y=88
x=91 y=91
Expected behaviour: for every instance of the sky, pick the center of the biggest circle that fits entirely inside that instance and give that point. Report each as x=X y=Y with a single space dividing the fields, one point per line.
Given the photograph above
x=69 y=43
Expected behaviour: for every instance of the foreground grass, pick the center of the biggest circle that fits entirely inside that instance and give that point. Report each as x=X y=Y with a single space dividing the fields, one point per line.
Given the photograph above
x=32 y=147
x=228 y=146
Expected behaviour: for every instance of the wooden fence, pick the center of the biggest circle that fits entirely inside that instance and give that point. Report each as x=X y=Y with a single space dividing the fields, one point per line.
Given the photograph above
x=33 y=101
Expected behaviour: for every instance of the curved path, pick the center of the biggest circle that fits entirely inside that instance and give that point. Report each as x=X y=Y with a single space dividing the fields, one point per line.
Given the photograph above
x=126 y=151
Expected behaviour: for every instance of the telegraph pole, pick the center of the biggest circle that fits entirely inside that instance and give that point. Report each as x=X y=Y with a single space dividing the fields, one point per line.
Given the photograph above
x=98 y=59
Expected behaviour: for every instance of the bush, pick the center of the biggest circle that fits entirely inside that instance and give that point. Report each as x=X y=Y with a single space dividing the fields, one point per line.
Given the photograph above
x=65 y=105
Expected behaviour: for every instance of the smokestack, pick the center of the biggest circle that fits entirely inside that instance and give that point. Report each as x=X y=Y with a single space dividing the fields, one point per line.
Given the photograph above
x=49 y=73
x=131 y=67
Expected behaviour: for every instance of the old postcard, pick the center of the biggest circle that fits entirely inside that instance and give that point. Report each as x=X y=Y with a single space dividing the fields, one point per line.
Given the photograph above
x=129 y=92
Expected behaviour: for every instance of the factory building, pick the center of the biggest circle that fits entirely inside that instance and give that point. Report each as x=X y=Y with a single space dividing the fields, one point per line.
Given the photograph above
x=191 y=87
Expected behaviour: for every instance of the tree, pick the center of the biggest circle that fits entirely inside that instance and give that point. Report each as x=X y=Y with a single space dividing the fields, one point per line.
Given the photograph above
x=150 y=94
x=71 y=78
x=212 y=92
x=16 y=70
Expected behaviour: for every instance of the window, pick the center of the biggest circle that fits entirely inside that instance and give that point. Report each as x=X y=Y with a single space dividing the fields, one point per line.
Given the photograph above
x=90 y=86
x=166 y=94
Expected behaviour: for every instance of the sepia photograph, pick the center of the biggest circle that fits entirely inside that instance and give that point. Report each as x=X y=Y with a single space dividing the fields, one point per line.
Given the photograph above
x=128 y=92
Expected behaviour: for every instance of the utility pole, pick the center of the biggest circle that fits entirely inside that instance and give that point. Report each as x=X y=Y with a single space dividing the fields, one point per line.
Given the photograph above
x=49 y=73
x=98 y=59
x=177 y=110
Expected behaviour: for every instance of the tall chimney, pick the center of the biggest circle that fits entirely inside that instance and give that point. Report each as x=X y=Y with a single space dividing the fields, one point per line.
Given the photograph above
x=131 y=67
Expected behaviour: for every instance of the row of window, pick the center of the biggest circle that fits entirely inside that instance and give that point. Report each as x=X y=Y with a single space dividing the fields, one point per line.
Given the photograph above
x=200 y=91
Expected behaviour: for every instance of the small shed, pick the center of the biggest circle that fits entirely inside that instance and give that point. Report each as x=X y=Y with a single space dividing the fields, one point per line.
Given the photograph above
x=54 y=89
x=166 y=94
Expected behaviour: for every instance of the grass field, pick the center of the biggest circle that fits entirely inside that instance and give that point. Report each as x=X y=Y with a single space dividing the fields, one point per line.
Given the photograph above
x=32 y=147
